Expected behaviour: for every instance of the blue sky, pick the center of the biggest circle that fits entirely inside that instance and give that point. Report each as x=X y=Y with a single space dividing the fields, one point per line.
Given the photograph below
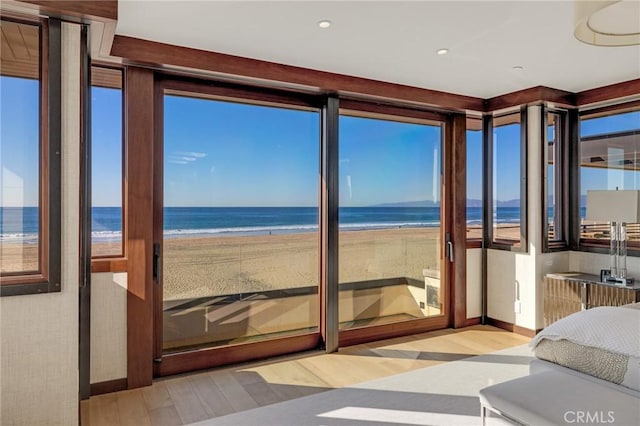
x=388 y=162
x=19 y=120
x=474 y=164
x=597 y=178
x=228 y=154
x=106 y=152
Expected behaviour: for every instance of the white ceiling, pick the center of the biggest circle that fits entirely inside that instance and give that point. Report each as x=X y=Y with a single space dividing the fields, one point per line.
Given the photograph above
x=395 y=41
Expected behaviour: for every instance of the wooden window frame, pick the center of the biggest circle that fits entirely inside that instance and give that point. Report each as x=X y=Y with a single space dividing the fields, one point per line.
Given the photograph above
x=588 y=244
x=116 y=262
x=392 y=113
x=488 y=127
x=478 y=241
x=48 y=277
x=168 y=363
x=560 y=180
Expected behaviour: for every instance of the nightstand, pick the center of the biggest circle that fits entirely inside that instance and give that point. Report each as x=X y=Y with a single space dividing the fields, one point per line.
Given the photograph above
x=569 y=292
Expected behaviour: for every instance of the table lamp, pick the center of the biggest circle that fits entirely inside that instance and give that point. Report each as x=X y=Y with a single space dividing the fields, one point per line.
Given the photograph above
x=618 y=207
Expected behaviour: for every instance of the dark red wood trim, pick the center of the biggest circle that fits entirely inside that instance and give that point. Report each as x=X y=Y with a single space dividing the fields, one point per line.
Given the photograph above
x=139 y=213
x=456 y=201
x=91 y=9
x=158 y=218
x=606 y=93
x=116 y=264
x=527 y=332
x=109 y=386
x=469 y=322
x=356 y=336
x=475 y=243
x=213 y=357
x=610 y=110
x=389 y=110
x=529 y=96
x=156 y=54
x=227 y=91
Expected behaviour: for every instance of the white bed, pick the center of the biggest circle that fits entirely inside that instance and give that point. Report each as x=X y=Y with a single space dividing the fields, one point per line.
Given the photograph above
x=598 y=342
x=601 y=342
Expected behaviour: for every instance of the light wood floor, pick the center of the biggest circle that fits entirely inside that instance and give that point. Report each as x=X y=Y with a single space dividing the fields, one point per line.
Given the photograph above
x=190 y=398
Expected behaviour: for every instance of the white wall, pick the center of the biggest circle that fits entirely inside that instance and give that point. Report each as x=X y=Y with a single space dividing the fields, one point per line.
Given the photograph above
x=591 y=263
x=39 y=333
x=108 y=326
x=474 y=283
x=510 y=272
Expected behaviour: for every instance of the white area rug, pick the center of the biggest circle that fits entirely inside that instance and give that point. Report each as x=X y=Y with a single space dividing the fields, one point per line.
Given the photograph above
x=445 y=394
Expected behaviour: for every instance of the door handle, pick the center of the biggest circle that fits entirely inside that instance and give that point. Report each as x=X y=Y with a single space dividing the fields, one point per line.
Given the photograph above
x=156 y=261
x=450 y=250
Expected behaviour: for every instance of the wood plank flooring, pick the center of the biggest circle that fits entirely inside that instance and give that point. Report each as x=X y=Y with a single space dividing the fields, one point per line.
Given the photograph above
x=194 y=397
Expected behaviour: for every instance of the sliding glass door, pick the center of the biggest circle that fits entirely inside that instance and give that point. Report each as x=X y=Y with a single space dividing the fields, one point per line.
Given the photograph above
x=240 y=256
x=239 y=221
x=391 y=239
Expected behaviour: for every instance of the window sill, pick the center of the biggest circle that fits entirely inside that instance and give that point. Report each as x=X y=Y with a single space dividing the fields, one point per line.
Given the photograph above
x=110 y=264
x=19 y=286
x=591 y=246
x=556 y=246
x=475 y=243
x=508 y=245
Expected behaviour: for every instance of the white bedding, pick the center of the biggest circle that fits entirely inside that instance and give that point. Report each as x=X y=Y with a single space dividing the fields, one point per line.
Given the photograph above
x=602 y=342
x=613 y=329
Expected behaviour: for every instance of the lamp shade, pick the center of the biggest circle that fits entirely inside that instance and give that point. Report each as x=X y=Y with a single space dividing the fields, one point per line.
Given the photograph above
x=607 y=22
x=613 y=206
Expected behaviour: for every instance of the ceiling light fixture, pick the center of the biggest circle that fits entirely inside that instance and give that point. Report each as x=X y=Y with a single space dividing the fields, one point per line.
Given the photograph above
x=517 y=68
x=325 y=23
x=443 y=51
x=607 y=23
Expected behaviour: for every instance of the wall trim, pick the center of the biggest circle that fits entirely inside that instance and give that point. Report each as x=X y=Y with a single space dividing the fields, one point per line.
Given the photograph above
x=607 y=93
x=155 y=55
x=108 y=386
x=91 y=9
x=469 y=322
x=532 y=95
x=523 y=331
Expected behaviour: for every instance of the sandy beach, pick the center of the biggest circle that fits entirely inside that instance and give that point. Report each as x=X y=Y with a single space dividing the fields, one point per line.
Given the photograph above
x=221 y=265
x=18 y=257
x=206 y=266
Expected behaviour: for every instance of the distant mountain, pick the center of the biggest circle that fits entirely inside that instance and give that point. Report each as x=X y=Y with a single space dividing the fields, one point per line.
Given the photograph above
x=424 y=203
x=471 y=202
x=509 y=203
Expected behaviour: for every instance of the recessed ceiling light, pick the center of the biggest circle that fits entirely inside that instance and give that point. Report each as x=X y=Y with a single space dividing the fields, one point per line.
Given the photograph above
x=442 y=51
x=517 y=68
x=325 y=23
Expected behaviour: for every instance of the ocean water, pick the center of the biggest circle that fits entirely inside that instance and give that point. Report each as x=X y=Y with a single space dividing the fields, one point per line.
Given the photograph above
x=21 y=224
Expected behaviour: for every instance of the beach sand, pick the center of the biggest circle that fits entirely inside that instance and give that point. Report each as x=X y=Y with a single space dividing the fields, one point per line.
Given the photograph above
x=222 y=265
x=18 y=257
x=206 y=266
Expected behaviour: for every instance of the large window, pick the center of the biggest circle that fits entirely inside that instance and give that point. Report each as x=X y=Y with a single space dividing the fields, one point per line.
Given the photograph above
x=29 y=233
x=508 y=175
x=106 y=164
x=240 y=221
x=390 y=221
x=609 y=160
x=474 y=179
